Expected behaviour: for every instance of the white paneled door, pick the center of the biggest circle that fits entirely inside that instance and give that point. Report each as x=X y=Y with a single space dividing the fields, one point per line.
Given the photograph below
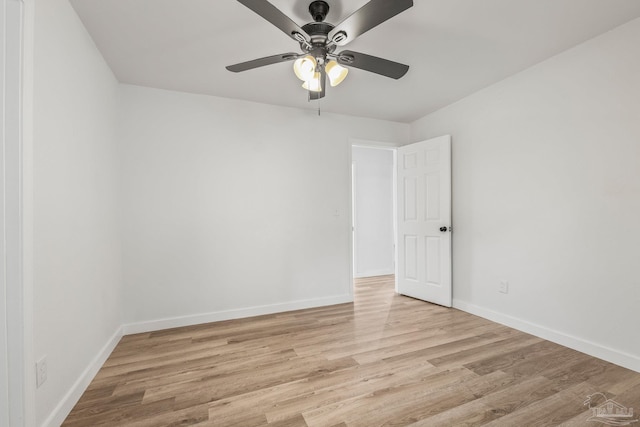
x=424 y=220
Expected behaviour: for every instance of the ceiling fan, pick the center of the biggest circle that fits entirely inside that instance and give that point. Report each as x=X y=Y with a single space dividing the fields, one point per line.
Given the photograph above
x=319 y=41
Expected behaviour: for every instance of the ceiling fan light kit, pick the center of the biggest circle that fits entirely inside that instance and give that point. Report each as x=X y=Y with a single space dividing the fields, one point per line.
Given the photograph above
x=335 y=73
x=305 y=67
x=314 y=84
x=319 y=40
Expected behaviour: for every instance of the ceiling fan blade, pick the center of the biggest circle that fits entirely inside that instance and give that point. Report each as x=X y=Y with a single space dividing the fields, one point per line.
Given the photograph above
x=381 y=66
x=323 y=85
x=261 y=62
x=368 y=16
x=277 y=18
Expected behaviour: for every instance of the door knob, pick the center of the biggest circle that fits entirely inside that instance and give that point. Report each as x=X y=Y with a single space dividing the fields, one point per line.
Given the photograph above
x=445 y=229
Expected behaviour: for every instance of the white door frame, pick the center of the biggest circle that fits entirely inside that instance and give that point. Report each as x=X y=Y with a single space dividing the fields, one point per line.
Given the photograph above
x=354 y=142
x=17 y=400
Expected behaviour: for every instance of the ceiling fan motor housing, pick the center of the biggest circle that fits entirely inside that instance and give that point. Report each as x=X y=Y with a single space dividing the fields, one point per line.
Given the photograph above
x=319 y=10
x=318 y=47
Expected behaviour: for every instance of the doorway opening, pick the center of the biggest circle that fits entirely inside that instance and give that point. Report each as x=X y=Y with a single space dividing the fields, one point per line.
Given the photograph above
x=401 y=216
x=373 y=201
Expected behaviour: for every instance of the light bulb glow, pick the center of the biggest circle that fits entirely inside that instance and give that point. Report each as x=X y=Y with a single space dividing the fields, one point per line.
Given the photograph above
x=336 y=73
x=305 y=67
x=313 y=84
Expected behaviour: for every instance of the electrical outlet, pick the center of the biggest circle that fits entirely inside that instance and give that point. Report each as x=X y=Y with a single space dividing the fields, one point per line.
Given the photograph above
x=504 y=287
x=41 y=371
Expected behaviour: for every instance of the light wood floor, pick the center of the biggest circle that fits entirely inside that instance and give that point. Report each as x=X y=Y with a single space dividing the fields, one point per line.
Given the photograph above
x=384 y=360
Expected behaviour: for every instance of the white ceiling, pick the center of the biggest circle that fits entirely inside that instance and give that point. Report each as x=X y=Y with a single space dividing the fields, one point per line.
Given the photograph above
x=454 y=47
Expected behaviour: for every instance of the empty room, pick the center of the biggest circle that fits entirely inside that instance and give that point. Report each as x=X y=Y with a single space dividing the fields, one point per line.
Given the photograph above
x=320 y=213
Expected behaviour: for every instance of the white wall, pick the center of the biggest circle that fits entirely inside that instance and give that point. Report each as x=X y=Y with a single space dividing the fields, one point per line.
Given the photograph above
x=374 y=238
x=234 y=206
x=546 y=195
x=77 y=257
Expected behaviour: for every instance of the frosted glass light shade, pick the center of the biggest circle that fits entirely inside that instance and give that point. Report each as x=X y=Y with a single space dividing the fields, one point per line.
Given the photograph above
x=313 y=84
x=305 y=67
x=336 y=73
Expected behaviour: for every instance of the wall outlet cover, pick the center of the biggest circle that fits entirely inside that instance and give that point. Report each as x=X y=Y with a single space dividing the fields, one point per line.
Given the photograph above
x=504 y=287
x=41 y=371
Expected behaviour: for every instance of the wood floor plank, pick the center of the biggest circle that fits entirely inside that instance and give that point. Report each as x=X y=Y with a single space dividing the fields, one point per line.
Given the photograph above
x=551 y=411
x=492 y=406
x=377 y=407
x=383 y=360
x=212 y=388
x=348 y=389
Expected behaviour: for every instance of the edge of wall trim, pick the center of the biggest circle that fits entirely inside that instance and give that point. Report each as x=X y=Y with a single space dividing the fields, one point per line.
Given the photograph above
x=66 y=404
x=217 y=316
x=617 y=357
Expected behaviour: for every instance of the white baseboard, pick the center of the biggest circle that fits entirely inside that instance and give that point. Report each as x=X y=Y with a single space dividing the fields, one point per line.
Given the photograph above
x=588 y=347
x=196 y=319
x=62 y=410
x=373 y=273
